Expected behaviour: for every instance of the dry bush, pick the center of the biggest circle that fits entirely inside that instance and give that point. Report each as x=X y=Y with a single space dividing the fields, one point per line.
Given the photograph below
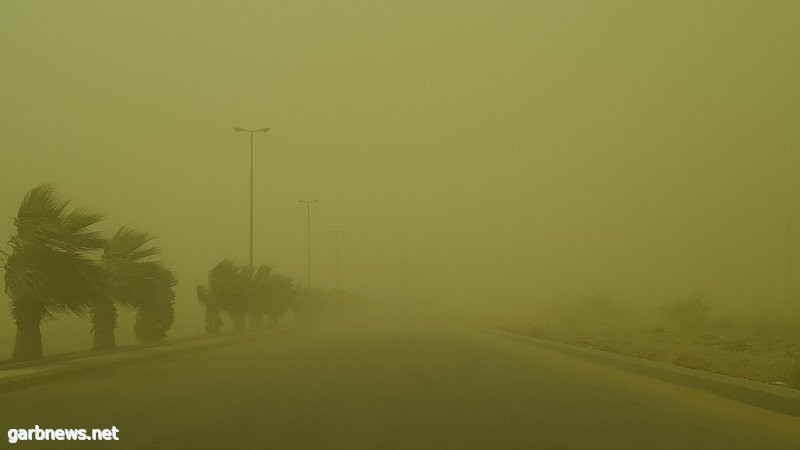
x=690 y=314
x=692 y=360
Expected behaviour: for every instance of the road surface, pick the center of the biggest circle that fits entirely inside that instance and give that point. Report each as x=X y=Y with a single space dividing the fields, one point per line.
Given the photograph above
x=389 y=385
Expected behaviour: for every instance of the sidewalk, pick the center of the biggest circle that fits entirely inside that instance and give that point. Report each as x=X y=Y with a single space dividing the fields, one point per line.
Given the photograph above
x=779 y=398
x=15 y=375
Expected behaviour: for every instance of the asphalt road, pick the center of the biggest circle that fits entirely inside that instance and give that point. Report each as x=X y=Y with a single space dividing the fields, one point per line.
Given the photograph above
x=387 y=385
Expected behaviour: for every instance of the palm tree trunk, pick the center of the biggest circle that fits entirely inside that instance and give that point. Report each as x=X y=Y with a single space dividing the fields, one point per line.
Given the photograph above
x=28 y=341
x=104 y=320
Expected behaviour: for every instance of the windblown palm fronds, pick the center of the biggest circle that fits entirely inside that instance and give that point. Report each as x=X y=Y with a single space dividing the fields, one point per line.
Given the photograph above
x=229 y=291
x=243 y=292
x=279 y=297
x=213 y=317
x=156 y=313
x=137 y=282
x=258 y=282
x=51 y=267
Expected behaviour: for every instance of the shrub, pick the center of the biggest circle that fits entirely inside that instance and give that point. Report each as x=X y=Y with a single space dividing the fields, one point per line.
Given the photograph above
x=691 y=360
x=689 y=314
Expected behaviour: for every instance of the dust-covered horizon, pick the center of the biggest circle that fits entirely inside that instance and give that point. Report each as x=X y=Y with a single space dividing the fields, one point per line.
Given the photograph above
x=481 y=158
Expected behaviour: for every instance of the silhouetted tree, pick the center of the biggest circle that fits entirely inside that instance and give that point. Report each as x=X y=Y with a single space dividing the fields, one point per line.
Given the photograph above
x=689 y=314
x=213 y=316
x=243 y=292
x=278 y=298
x=50 y=268
x=155 y=316
x=135 y=281
x=258 y=294
x=227 y=289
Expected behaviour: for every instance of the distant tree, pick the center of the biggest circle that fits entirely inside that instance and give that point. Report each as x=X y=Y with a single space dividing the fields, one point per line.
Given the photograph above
x=690 y=314
x=268 y=293
x=135 y=281
x=213 y=316
x=227 y=289
x=155 y=316
x=242 y=293
x=258 y=294
x=279 y=297
x=51 y=267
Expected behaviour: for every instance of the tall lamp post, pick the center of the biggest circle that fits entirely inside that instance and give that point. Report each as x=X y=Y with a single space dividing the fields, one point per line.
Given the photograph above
x=337 y=233
x=237 y=129
x=308 y=204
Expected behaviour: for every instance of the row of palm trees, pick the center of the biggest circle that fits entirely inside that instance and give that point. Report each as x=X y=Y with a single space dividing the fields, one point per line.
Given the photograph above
x=58 y=264
x=244 y=292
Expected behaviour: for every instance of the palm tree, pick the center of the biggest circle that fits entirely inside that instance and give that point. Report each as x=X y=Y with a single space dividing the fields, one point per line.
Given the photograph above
x=244 y=292
x=135 y=281
x=258 y=295
x=279 y=297
x=156 y=314
x=213 y=317
x=228 y=289
x=50 y=268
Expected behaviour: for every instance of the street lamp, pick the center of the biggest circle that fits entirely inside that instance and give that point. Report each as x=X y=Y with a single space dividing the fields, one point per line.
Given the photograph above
x=337 y=233
x=308 y=204
x=237 y=129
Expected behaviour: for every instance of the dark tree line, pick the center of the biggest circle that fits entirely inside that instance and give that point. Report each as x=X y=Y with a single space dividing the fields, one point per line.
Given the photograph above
x=58 y=264
x=243 y=293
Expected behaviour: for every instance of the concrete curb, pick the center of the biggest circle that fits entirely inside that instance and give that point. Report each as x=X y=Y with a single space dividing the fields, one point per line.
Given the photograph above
x=16 y=376
x=782 y=399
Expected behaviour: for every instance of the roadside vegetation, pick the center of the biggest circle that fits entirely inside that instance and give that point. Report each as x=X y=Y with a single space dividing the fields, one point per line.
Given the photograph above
x=247 y=296
x=138 y=282
x=686 y=333
x=59 y=264
x=244 y=294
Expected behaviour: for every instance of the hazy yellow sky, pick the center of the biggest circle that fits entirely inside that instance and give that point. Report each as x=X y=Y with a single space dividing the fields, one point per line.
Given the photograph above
x=509 y=150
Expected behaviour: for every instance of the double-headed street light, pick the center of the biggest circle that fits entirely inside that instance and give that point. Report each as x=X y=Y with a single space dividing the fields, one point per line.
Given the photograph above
x=308 y=204
x=237 y=129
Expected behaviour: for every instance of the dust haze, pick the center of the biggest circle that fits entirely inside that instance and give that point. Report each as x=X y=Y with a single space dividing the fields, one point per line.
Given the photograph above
x=484 y=159
x=507 y=224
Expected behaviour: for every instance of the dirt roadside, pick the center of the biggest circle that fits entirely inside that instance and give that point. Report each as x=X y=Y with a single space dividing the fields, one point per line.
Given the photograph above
x=769 y=357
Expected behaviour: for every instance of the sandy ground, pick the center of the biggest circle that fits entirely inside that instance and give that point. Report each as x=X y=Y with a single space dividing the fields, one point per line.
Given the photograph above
x=759 y=350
